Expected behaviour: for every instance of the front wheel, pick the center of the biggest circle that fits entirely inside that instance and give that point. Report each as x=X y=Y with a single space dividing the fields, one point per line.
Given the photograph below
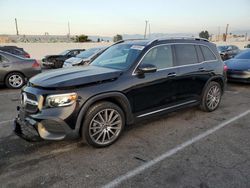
x=103 y=124
x=211 y=97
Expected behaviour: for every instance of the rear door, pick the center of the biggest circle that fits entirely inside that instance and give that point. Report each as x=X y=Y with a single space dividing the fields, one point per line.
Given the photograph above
x=192 y=71
x=4 y=66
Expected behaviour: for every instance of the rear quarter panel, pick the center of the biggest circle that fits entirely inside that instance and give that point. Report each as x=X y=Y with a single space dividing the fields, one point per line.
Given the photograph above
x=24 y=67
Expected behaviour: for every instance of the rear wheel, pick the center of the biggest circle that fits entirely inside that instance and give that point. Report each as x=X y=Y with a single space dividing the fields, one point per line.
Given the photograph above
x=103 y=124
x=211 y=97
x=14 y=80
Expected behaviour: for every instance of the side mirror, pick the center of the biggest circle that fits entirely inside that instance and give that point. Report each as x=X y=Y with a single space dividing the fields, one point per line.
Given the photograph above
x=146 y=68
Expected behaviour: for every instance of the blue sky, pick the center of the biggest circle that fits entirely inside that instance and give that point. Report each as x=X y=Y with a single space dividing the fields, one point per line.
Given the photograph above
x=108 y=17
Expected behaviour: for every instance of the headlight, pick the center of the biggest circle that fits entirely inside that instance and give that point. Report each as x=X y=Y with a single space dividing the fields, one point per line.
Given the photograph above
x=61 y=100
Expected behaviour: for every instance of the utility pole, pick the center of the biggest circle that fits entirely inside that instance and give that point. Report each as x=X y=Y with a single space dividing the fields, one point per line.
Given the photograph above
x=68 y=30
x=149 y=31
x=146 y=26
x=219 y=33
x=226 y=32
x=17 y=33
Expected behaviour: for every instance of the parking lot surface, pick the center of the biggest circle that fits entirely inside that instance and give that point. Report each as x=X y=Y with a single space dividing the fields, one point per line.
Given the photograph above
x=220 y=159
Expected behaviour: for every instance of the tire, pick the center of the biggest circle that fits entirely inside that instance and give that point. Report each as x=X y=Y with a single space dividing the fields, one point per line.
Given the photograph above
x=211 y=97
x=99 y=129
x=14 y=80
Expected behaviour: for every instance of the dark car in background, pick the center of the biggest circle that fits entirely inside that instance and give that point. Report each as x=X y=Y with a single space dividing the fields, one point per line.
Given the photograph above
x=84 y=57
x=247 y=46
x=130 y=81
x=15 y=50
x=56 y=61
x=238 y=68
x=15 y=70
x=228 y=51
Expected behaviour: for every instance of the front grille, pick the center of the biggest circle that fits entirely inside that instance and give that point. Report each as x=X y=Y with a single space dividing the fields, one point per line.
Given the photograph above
x=29 y=102
x=31 y=96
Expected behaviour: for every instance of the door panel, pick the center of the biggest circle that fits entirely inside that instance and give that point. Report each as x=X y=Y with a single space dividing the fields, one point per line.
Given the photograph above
x=155 y=90
x=192 y=73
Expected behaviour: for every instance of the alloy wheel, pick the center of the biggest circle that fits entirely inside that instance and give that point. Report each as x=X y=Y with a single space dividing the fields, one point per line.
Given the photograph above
x=213 y=97
x=15 y=81
x=105 y=126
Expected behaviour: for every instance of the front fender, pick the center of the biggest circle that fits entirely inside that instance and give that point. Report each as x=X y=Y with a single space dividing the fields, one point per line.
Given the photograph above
x=117 y=96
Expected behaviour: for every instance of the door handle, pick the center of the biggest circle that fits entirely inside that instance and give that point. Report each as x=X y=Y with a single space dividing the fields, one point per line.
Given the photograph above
x=202 y=69
x=172 y=74
x=5 y=65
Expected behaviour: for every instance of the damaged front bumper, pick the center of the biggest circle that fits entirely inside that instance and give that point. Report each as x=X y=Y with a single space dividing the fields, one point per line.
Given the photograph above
x=41 y=128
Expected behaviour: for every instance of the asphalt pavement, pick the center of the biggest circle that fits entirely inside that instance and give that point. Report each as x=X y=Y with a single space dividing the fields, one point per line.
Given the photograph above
x=172 y=151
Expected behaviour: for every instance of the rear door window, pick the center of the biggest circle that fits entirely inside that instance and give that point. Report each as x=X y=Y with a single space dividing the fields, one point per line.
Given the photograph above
x=207 y=53
x=199 y=53
x=160 y=56
x=186 y=54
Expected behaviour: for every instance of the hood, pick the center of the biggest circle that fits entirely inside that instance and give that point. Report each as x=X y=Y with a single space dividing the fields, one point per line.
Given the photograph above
x=75 y=76
x=238 y=64
x=74 y=60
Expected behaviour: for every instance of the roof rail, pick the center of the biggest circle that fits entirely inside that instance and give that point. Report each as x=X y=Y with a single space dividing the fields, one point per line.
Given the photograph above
x=172 y=38
x=120 y=41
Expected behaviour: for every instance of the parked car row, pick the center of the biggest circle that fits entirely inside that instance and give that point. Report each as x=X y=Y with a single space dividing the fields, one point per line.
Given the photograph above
x=236 y=61
x=56 y=61
x=84 y=58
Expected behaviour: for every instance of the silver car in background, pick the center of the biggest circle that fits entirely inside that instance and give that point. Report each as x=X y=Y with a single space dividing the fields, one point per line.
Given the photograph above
x=84 y=58
x=15 y=70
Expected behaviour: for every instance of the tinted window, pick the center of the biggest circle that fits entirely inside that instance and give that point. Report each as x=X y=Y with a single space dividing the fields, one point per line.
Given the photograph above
x=199 y=53
x=87 y=53
x=186 y=54
x=3 y=59
x=119 y=56
x=160 y=56
x=64 y=53
x=73 y=53
x=208 y=54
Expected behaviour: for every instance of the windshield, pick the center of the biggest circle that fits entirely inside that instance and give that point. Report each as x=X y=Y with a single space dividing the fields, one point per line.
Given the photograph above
x=87 y=53
x=222 y=48
x=119 y=56
x=64 y=53
x=243 y=55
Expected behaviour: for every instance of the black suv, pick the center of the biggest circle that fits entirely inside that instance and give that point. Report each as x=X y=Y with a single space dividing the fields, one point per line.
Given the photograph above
x=129 y=81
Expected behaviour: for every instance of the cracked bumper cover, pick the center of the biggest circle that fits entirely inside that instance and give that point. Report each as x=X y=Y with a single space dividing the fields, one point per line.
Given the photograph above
x=41 y=127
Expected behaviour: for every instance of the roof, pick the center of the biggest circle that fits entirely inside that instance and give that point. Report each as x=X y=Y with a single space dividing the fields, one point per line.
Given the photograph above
x=145 y=42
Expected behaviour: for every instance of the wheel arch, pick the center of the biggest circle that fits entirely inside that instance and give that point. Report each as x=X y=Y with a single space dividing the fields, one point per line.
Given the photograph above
x=117 y=98
x=219 y=79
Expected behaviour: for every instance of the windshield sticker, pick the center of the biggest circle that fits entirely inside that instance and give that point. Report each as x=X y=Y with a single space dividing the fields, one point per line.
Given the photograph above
x=137 y=47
